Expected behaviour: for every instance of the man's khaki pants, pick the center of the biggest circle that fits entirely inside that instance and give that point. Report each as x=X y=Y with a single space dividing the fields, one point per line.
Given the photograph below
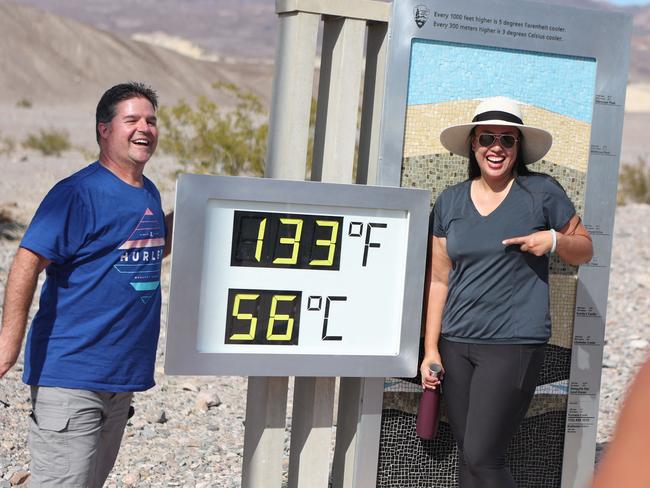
x=75 y=435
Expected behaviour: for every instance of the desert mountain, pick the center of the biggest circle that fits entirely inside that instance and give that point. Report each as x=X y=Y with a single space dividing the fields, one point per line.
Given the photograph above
x=232 y=28
x=51 y=59
x=246 y=28
x=41 y=47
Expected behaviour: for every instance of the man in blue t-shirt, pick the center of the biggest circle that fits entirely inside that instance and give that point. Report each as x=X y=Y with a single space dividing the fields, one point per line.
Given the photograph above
x=100 y=235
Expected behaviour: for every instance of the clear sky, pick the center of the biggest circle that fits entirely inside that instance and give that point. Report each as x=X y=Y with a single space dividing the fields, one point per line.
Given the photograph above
x=629 y=2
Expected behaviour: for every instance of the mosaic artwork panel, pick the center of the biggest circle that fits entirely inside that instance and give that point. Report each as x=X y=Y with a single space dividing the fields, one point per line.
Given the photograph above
x=534 y=456
x=446 y=83
x=562 y=294
x=442 y=71
x=557 y=365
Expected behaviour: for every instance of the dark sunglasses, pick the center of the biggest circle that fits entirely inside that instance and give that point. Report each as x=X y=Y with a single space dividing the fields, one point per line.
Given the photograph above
x=505 y=140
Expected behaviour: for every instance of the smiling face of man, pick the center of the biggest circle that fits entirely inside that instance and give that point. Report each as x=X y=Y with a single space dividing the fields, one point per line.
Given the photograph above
x=130 y=138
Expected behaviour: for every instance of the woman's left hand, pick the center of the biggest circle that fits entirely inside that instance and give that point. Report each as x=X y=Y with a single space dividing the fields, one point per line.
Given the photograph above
x=537 y=243
x=572 y=245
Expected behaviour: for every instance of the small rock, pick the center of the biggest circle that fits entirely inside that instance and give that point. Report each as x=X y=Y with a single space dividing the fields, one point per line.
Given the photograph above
x=148 y=432
x=8 y=445
x=157 y=417
x=18 y=478
x=131 y=479
x=639 y=344
x=189 y=387
x=206 y=400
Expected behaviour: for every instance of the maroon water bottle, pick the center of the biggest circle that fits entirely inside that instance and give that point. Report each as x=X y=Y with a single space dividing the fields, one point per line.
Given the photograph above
x=426 y=424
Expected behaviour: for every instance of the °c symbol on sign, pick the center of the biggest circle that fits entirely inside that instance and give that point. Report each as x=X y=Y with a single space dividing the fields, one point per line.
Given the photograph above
x=314 y=304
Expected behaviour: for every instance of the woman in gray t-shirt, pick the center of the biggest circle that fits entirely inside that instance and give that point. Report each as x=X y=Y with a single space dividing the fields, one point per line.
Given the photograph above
x=487 y=303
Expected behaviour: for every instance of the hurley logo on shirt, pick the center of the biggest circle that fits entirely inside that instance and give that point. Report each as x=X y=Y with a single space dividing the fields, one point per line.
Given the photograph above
x=142 y=256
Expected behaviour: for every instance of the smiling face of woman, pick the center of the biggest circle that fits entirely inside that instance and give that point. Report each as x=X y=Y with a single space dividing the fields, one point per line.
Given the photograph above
x=494 y=150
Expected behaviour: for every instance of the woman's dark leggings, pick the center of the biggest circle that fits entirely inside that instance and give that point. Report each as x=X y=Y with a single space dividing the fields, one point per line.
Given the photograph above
x=487 y=388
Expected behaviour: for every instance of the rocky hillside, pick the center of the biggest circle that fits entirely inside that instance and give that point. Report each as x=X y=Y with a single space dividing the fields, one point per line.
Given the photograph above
x=240 y=29
x=246 y=28
x=50 y=59
x=240 y=35
x=41 y=46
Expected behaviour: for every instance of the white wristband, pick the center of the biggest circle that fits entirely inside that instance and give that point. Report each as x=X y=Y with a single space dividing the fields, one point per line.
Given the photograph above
x=554 y=241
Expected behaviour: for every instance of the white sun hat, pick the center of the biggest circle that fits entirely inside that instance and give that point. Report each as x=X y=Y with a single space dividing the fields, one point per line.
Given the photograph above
x=498 y=111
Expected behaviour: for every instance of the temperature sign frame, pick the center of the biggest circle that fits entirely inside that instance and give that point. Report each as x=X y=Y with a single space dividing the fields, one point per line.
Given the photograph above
x=295 y=278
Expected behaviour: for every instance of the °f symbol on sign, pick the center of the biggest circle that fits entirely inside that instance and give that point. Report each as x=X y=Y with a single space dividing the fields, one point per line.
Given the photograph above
x=356 y=229
x=315 y=303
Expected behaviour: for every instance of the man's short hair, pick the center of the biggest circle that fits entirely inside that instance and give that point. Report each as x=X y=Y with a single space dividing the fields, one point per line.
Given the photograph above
x=124 y=91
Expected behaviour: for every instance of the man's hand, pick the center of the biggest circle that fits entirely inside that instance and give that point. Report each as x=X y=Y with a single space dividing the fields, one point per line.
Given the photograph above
x=18 y=297
x=9 y=351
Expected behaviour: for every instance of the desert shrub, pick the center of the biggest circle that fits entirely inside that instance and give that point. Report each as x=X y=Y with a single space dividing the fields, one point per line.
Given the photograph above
x=7 y=145
x=88 y=154
x=10 y=228
x=634 y=183
x=209 y=139
x=50 y=142
x=24 y=103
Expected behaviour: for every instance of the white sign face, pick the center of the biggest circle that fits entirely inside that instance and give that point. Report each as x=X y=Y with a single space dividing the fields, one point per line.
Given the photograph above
x=301 y=279
x=288 y=278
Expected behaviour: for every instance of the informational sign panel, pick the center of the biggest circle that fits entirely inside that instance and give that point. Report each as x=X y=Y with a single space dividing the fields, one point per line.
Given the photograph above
x=568 y=69
x=285 y=278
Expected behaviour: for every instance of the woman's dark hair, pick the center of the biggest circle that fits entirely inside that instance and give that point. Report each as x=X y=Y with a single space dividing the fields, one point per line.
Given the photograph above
x=473 y=170
x=124 y=91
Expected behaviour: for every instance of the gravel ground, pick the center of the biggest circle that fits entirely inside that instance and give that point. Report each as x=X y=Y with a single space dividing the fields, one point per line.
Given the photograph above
x=627 y=331
x=188 y=431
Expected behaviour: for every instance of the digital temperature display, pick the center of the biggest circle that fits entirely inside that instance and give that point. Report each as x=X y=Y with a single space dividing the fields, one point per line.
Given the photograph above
x=263 y=317
x=295 y=278
x=273 y=240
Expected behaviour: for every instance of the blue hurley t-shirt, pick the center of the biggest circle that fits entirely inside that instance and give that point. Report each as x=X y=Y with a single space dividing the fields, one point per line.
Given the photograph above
x=498 y=293
x=98 y=320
